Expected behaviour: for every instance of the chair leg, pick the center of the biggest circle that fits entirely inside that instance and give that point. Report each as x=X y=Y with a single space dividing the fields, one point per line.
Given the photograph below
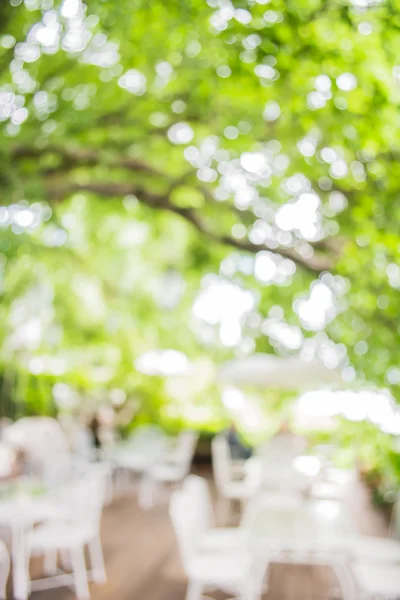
x=244 y=503
x=50 y=562
x=122 y=480
x=97 y=560
x=4 y=571
x=223 y=509
x=346 y=582
x=21 y=549
x=147 y=491
x=257 y=582
x=65 y=557
x=109 y=489
x=194 y=590
x=80 y=573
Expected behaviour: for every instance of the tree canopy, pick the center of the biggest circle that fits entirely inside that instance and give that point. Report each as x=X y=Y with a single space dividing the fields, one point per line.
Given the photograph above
x=213 y=177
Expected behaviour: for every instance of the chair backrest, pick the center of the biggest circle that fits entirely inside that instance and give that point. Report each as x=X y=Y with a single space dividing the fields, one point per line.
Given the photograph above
x=84 y=500
x=186 y=444
x=197 y=488
x=182 y=454
x=221 y=462
x=183 y=521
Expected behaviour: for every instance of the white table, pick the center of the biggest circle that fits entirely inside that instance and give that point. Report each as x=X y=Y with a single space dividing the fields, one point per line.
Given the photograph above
x=311 y=525
x=314 y=532
x=19 y=515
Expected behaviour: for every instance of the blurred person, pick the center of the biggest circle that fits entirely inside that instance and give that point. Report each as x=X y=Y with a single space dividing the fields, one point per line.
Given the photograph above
x=78 y=429
x=239 y=450
x=107 y=428
x=95 y=429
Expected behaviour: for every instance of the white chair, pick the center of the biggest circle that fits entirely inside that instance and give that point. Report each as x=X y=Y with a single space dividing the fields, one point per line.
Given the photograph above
x=172 y=469
x=236 y=574
x=376 y=565
x=376 y=581
x=227 y=487
x=136 y=455
x=183 y=446
x=374 y=550
x=209 y=537
x=369 y=549
x=83 y=502
x=4 y=569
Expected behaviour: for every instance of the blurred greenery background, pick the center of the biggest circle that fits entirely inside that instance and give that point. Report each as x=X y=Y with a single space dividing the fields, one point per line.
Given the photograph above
x=215 y=178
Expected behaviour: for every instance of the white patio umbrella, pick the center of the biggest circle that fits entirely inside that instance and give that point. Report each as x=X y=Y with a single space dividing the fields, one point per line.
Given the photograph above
x=284 y=372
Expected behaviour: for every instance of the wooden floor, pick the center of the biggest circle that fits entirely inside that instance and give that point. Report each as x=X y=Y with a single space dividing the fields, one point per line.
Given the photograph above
x=143 y=563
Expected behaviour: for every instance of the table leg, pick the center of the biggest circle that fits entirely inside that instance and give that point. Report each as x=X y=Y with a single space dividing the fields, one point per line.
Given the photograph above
x=20 y=555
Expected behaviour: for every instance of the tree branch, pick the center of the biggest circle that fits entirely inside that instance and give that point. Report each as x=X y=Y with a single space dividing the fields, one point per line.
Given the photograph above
x=74 y=158
x=314 y=264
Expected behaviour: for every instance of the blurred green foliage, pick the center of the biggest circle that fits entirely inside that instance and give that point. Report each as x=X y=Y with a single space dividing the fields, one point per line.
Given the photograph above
x=128 y=207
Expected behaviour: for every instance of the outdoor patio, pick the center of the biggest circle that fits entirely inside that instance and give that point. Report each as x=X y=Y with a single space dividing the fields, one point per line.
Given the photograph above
x=143 y=562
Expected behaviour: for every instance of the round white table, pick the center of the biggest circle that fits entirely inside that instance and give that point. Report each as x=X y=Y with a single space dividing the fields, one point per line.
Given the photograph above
x=312 y=524
x=312 y=532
